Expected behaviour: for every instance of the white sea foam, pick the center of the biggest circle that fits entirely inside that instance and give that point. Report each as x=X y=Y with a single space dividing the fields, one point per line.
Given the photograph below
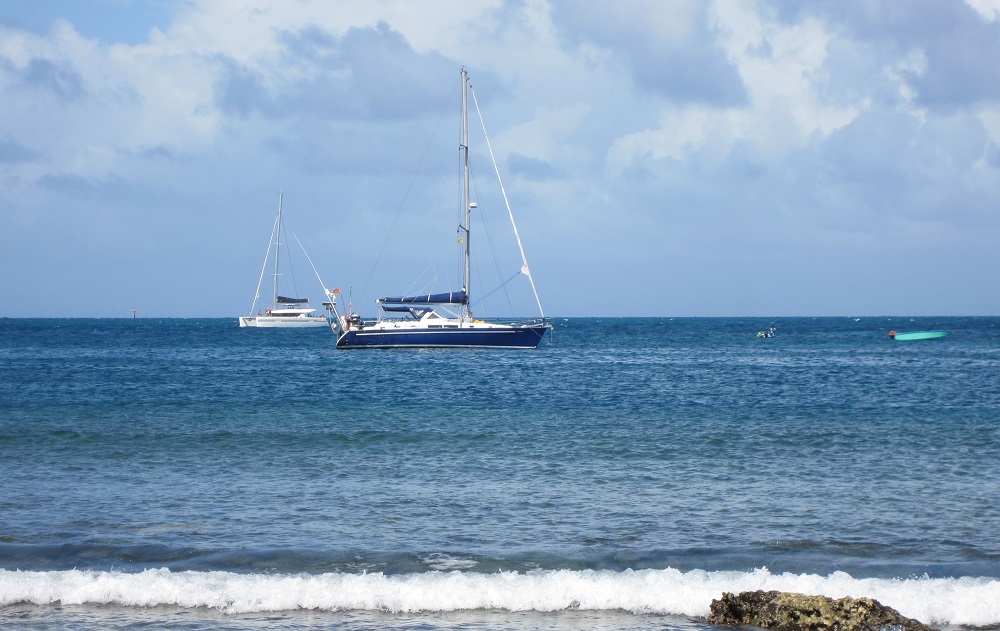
x=445 y=562
x=941 y=601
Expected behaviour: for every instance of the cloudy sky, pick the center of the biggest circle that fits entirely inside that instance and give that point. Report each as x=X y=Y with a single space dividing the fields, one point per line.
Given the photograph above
x=662 y=158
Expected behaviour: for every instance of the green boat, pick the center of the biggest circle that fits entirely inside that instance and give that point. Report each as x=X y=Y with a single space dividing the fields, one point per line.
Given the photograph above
x=917 y=335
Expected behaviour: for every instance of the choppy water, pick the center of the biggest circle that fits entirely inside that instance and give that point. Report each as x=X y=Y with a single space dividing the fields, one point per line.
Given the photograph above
x=192 y=474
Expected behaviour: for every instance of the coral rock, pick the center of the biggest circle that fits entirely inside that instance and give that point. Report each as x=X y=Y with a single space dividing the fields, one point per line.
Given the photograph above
x=785 y=611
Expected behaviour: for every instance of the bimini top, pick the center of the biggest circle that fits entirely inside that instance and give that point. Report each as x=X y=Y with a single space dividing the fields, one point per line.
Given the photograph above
x=284 y=300
x=416 y=312
x=449 y=298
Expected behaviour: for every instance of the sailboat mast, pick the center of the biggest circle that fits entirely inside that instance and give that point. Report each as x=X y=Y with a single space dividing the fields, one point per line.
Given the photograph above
x=277 y=253
x=465 y=181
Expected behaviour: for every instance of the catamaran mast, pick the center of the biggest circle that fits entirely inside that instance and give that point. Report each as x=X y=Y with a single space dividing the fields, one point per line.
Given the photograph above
x=277 y=254
x=465 y=181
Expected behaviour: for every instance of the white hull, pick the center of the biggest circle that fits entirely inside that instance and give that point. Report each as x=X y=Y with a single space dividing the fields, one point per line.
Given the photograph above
x=283 y=322
x=285 y=312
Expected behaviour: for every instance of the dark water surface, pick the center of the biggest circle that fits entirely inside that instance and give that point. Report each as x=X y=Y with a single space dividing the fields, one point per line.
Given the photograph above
x=190 y=473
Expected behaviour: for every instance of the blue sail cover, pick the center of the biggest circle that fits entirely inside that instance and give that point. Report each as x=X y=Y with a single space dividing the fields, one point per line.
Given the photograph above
x=284 y=300
x=449 y=298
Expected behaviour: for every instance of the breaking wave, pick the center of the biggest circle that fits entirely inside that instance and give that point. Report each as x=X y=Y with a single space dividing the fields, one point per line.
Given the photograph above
x=940 y=601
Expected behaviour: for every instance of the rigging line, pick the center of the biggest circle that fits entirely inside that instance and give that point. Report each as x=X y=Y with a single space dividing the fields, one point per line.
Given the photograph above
x=484 y=220
x=308 y=258
x=288 y=261
x=291 y=271
x=496 y=289
x=524 y=259
x=427 y=286
x=406 y=196
x=267 y=255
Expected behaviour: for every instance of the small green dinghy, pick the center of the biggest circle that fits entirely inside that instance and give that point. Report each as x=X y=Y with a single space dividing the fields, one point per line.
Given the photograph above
x=917 y=335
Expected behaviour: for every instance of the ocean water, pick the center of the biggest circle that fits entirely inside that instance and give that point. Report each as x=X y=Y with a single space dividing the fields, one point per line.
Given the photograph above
x=189 y=474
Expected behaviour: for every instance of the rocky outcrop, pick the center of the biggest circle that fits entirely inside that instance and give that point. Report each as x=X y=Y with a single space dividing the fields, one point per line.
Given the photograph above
x=785 y=611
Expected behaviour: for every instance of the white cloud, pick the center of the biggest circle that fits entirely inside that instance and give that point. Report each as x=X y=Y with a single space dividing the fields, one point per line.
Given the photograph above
x=990 y=118
x=783 y=69
x=783 y=64
x=680 y=133
x=899 y=75
x=632 y=133
x=989 y=9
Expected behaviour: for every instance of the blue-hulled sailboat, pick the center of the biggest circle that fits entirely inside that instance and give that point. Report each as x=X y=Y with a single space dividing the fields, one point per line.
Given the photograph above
x=442 y=319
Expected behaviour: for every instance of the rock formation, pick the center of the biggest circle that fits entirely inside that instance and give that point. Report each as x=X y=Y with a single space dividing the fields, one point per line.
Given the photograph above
x=798 y=612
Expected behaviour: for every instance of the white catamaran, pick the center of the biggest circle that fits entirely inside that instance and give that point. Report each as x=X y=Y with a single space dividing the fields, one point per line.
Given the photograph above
x=284 y=312
x=443 y=319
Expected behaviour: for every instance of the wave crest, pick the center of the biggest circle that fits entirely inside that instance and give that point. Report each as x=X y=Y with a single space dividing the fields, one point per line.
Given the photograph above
x=940 y=601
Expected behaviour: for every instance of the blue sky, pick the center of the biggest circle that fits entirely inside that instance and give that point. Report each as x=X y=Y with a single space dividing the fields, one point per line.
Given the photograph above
x=662 y=158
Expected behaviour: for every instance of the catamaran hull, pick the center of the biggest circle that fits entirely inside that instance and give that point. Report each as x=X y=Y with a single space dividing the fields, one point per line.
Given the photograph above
x=528 y=336
x=283 y=322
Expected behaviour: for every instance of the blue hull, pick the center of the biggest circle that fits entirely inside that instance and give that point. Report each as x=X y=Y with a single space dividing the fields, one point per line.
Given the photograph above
x=527 y=336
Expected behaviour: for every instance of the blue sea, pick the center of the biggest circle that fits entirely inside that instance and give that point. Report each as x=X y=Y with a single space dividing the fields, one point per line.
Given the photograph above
x=189 y=474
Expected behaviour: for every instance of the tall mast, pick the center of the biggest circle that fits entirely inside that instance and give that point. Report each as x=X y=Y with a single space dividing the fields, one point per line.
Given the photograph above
x=465 y=180
x=277 y=253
